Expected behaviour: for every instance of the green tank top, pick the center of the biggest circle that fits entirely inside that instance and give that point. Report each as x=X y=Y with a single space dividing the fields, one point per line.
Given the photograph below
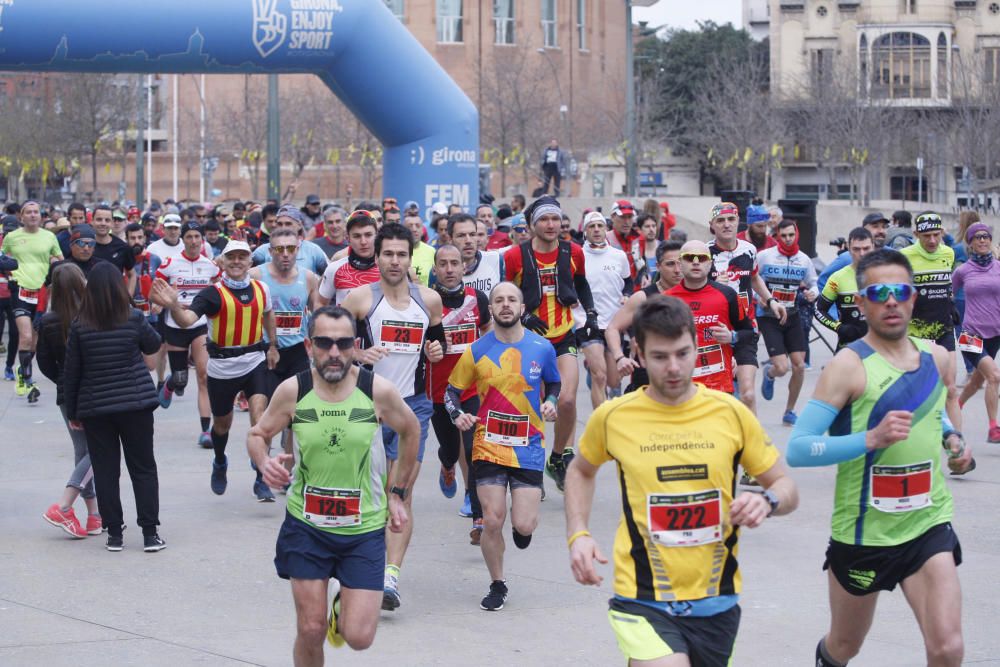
x=893 y=495
x=932 y=313
x=340 y=477
x=842 y=289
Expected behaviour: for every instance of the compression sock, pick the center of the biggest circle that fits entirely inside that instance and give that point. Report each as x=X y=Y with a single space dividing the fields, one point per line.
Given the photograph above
x=24 y=358
x=219 y=445
x=823 y=658
x=520 y=541
x=178 y=362
x=206 y=423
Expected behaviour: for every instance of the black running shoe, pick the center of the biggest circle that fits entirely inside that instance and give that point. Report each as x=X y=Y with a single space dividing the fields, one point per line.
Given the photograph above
x=495 y=598
x=115 y=543
x=153 y=543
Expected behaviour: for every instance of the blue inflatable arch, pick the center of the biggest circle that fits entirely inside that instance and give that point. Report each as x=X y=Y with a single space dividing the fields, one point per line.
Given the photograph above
x=429 y=127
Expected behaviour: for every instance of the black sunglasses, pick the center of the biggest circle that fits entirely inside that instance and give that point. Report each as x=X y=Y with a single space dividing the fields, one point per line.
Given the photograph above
x=326 y=343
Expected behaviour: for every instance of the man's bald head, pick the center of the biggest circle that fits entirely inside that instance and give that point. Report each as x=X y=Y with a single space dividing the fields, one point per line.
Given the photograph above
x=699 y=247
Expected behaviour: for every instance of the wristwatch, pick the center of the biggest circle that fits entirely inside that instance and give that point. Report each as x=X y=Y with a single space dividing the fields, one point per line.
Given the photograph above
x=399 y=491
x=772 y=500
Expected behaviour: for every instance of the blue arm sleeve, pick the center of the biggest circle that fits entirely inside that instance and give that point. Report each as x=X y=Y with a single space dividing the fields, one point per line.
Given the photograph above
x=947 y=428
x=810 y=446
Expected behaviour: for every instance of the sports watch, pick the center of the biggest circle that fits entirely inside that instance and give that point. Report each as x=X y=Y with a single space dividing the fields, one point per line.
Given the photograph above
x=401 y=492
x=772 y=500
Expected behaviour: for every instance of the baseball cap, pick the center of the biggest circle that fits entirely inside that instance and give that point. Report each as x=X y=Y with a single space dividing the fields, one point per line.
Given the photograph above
x=149 y=217
x=623 y=207
x=929 y=222
x=872 y=218
x=312 y=199
x=9 y=223
x=82 y=231
x=234 y=246
x=118 y=214
x=757 y=213
x=411 y=206
x=439 y=208
x=190 y=226
x=171 y=220
x=594 y=217
x=517 y=220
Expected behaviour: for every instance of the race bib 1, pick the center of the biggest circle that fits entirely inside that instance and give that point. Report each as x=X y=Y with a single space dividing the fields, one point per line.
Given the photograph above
x=460 y=336
x=332 y=508
x=287 y=323
x=969 y=342
x=901 y=488
x=685 y=519
x=547 y=277
x=506 y=430
x=784 y=295
x=28 y=295
x=710 y=360
x=403 y=337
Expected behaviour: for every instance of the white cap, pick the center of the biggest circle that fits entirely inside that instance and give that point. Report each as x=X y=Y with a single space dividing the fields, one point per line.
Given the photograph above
x=439 y=208
x=594 y=217
x=233 y=246
x=171 y=220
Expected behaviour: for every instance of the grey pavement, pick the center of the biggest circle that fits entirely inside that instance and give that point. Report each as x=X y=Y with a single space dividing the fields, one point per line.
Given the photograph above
x=212 y=597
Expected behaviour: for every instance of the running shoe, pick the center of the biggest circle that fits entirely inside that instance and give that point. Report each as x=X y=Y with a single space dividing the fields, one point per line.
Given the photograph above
x=495 y=598
x=219 y=480
x=466 y=510
x=390 y=597
x=766 y=382
x=241 y=403
x=332 y=633
x=790 y=418
x=994 y=434
x=94 y=525
x=66 y=520
x=556 y=469
x=263 y=493
x=568 y=455
x=8 y=374
x=115 y=543
x=476 y=534
x=446 y=480
x=166 y=395
x=21 y=388
x=33 y=393
x=205 y=440
x=153 y=543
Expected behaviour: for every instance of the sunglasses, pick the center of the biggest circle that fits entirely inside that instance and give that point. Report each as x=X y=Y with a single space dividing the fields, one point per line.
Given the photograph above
x=880 y=292
x=80 y=243
x=359 y=214
x=326 y=343
x=202 y=217
x=695 y=257
x=520 y=229
x=283 y=249
x=982 y=237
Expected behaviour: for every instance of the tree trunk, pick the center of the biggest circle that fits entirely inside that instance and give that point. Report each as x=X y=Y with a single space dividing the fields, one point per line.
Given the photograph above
x=93 y=173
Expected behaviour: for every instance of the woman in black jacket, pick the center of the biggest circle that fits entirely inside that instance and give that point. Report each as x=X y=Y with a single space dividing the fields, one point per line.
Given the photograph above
x=65 y=296
x=109 y=393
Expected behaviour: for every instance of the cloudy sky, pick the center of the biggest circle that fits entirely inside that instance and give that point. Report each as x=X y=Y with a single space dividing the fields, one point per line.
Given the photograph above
x=685 y=14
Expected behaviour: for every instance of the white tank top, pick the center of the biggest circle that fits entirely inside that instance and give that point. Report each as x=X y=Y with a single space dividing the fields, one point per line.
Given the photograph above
x=188 y=278
x=488 y=274
x=402 y=332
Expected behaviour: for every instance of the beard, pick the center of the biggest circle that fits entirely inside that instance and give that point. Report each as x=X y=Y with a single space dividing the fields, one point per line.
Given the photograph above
x=332 y=370
x=506 y=323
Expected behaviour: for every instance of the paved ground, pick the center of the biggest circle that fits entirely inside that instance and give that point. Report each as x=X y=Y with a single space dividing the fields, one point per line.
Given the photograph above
x=212 y=598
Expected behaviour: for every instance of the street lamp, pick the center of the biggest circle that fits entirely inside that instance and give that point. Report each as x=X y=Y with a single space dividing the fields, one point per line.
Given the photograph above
x=632 y=140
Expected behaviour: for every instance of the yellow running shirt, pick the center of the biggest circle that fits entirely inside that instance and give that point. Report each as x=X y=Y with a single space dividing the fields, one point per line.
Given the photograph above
x=677 y=473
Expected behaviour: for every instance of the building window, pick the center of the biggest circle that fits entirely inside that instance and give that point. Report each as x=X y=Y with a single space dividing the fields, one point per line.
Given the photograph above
x=449 y=21
x=396 y=7
x=503 y=21
x=908 y=6
x=549 y=28
x=992 y=65
x=821 y=67
x=901 y=66
x=581 y=24
x=942 y=66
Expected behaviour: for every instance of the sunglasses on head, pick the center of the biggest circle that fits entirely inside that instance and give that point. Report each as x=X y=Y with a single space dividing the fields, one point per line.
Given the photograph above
x=696 y=257
x=880 y=292
x=326 y=343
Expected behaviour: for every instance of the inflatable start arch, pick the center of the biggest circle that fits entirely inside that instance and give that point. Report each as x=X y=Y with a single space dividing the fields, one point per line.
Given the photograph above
x=429 y=127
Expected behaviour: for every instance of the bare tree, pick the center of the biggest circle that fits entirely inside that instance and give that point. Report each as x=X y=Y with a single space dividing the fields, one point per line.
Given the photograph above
x=241 y=127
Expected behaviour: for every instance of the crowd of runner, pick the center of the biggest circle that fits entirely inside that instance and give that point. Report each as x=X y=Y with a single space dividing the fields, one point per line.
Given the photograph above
x=349 y=335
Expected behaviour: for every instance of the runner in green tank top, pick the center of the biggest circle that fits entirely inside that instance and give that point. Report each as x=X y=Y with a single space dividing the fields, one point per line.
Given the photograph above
x=339 y=503
x=882 y=401
x=841 y=290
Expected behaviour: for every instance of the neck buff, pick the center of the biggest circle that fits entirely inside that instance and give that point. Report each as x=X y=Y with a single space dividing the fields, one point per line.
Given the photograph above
x=235 y=284
x=594 y=246
x=984 y=259
x=360 y=263
x=460 y=287
x=789 y=250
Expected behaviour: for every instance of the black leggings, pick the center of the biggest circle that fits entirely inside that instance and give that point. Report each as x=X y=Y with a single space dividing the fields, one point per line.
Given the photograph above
x=449 y=438
x=7 y=317
x=107 y=437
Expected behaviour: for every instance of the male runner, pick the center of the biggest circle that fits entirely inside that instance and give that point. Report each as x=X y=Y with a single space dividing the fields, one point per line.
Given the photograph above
x=497 y=238
x=934 y=314
x=338 y=507
x=334 y=235
x=610 y=278
x=309 y=256
x=293 y=294
x=842 y=289
x=668 y=269
x=239 y=309
x=145 y=268
x=483 y=270
x=402 y=326
x=882 y=401
x=676 y=445
x=188 y=273
x=110 y=247
x=757 y=232
x=82 y=241
x=784 y=268
x=512 y=369
x=735 y=265
x=35 y=249
x=465 y=317
x=358 y=268
x=625 y=238
x=552 y=277
x=170 y=245
x=423 y=254
x=878 y=226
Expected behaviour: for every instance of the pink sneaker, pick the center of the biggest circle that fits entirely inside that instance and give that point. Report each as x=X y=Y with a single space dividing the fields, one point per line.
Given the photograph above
x=65 y=520
x=994 y=434
x=94 y=525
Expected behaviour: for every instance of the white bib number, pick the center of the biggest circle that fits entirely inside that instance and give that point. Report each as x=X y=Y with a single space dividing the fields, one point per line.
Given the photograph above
x=402 y=337
x=287 y=323
x=685 y=519
x=710 y=361
x=903 y=488
x=506 y=430
x=28 y=295
x=332 y=508
x=968 y=342
x=460 y=336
